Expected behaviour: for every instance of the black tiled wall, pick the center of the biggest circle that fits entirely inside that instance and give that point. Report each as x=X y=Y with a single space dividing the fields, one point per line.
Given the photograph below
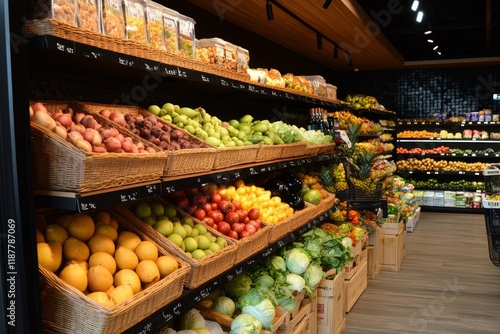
x=422 y=92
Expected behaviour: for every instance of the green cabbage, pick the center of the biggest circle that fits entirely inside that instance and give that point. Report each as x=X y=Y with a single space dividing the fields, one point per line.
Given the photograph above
x=263 y=283
x=313 y=275
x=276 y=265
x=191 y=319
x=224 y=305
x=256 y=304
x=245 y=324
x=335 y=255
x=295 y=282
x=238 y=286
x=297 y=260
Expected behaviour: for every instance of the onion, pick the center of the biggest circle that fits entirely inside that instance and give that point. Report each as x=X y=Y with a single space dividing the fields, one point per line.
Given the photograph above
x=61 y=131
x=77 y=127
x=127 y=146
x=65 y=120
x=112 y=144
x=43 y=119
x=117 y=117
x=105 y=113
x=99 y=149
x=88 y=121
x=39 y=107
x=120 y=137
x=84 y=145
x=150 y=149
x=31 y=111
x=77 y=117
x=140 y=145
x=73 y=136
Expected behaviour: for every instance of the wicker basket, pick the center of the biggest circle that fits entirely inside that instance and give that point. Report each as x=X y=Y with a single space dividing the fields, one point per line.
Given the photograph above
x=293 y=150
x=302 y=217
x=59 y=165
x=326 y=148
x=327 y=203
x=280 y=229
x=184 y=161
x=268 y=152
x=67 y=310
x=232 y=156
x=202 y=270
x=253 y=244
x=312 y=150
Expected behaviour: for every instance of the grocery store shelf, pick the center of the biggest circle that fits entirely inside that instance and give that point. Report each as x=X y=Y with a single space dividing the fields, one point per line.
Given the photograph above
x=405 y=173
x=87 y=202
x=447 y=123
x=191 y=297
x=99 y=55
x=450 y=209
x=439 y=140
x=451 y=155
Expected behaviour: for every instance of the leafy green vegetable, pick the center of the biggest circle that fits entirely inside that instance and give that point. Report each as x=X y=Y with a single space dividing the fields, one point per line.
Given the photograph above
x=256 y=304
x=263 y=283
x=312 y=241
x=313 y=275
x=246 y=324
x=276 y=265
x=335 y=255
x=238 y=286
x=224 y=305
x=191 y=319
x=295 y=282
x=297 y=260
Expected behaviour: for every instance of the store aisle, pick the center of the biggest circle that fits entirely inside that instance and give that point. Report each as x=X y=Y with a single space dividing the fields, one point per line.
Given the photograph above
x=446 y=284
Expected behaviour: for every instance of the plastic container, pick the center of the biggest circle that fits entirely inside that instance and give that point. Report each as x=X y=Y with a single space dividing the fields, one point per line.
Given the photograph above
x=64 y=11
x=171 y=30
x=211 y=51
x=135 y=21
x=154 y=25
x=331 y=92
x=243 y=59
x=319 y=84
x=113 y=19
x=88 y=17
x=186 y=36
x=231 y=57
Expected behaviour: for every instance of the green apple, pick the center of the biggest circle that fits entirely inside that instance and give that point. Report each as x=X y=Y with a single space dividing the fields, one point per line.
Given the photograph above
x=164 y=226
x=154 y=109
x=142 y=210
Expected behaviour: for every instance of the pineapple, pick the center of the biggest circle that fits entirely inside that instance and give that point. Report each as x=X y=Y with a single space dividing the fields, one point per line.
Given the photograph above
x=364 y=161
x=327 y=179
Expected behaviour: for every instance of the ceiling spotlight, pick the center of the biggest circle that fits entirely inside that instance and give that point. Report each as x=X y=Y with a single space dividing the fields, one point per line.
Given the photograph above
x=327 y=4
x=430 y=41
x=420 y=16
x=435 y=48
x=428 y=32
x=269 y=11
x=439 y=52
x=319 y=41
x=414 y=6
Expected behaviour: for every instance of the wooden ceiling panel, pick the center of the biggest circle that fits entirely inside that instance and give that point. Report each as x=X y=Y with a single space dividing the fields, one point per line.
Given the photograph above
x=344 y=22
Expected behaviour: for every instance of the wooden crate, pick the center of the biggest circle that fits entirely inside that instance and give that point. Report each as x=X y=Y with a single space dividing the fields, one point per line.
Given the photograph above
x=354 y=287
x=313 y=321
x=359 y=257
x=373 y=260
x=331 y=306
x=393 y=250
x=292 y=326
x=341 y=328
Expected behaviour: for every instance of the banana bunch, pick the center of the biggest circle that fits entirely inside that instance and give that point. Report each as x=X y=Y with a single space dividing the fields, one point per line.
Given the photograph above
x=360 y=101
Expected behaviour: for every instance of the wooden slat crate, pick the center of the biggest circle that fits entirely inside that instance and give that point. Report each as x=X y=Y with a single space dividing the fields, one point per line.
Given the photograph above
x=393 y=250
x=355 y=287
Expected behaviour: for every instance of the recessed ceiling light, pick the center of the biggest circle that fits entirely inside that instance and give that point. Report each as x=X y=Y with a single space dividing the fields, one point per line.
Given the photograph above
x=414 y=6
x=435 y=48
x=428 y=32
x=420 y=16
x=430 y=41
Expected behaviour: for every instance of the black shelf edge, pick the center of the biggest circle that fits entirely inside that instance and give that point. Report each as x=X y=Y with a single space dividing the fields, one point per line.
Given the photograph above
x=446 y=209
x=447 y=140
x=450 y=189
x=193 y=296
x=73 y=48
x=87 y=202
x=446 y=123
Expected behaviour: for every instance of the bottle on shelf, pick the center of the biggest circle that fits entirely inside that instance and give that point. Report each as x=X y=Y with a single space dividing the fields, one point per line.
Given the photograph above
x=311 y=121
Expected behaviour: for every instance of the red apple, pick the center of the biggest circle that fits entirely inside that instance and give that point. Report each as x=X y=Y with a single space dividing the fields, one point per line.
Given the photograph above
x=223 y=227
x=206 y=207
x=215 y=198
x=232 y=217
x=224 y=206
x=242 y=214
x=238 y=227
x=199 y=213
x=209 y=221
x=254 y=214
x=250 y=229
x=233 y=234
x=255 y=223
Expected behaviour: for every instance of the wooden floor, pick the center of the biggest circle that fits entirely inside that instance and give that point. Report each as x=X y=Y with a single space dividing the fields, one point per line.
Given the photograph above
x=447 y=283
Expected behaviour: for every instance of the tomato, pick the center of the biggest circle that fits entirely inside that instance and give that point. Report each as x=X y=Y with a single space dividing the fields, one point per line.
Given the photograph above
x=224 y=206
x=223 y=227
x=209 y=221
x=214 y=206
x=242 y=214
x=255 y=223
x=254 y=214
x=215 y=198
x=236 y=205
x=206 y=207
x=232 y=217
x=238 y=227
x=244 y=234
x=250 y=229
x=233 y=234
x=199 y=213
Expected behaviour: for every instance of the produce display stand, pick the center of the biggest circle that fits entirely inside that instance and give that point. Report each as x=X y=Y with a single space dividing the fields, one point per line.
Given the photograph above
x=492 y=212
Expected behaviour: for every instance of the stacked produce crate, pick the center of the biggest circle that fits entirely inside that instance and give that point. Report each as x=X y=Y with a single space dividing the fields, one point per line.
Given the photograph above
x=491 y=204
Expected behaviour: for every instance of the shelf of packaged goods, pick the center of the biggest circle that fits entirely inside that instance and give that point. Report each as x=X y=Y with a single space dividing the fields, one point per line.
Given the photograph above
x=427 y=208
x=193 y=296
x=439 y=140
x=73 y=48
x=87 y=202
x=408 y=173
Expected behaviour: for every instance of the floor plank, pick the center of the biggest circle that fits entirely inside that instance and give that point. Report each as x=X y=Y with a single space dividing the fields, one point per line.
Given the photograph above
x=446 y=285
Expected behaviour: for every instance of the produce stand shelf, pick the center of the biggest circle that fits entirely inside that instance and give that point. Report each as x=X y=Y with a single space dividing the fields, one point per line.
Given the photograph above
x=439 y=140
x=450 y=155
x=450 y=209
x=193 y=296
x=73 y=48
x=87 y=202
x=408 y=173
